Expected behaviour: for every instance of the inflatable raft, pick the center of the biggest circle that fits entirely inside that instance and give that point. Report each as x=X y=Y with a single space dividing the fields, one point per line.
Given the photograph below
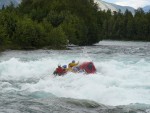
x=85 y=67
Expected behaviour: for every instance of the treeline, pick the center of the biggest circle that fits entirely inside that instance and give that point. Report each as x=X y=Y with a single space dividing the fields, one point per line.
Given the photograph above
x=126 y=26
x=55 y=23
x=51 y=23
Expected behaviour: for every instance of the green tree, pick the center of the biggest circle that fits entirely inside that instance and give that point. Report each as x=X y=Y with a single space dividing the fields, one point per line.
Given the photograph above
x=58 y=37
x=74 y=29
x=3 y=36
x=29 y=34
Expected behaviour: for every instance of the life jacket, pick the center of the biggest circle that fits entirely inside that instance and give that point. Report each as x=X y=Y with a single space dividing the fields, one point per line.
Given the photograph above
x=72 y=65
x=60 y=71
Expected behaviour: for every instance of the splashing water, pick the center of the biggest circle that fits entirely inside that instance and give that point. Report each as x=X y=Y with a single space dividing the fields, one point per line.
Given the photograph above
x=122 y=78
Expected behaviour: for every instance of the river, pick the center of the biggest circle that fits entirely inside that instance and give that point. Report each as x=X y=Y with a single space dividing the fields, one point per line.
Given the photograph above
x=121 y=84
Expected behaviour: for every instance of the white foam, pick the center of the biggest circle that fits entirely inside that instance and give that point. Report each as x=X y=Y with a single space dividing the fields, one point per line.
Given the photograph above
x=125 y=43
x=119 y=80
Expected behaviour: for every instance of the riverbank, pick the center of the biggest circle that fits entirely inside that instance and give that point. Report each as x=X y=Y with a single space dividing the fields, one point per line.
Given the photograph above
x=5 y=48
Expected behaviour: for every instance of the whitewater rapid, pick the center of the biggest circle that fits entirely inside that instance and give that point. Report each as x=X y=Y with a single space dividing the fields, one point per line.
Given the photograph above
x=122 y=78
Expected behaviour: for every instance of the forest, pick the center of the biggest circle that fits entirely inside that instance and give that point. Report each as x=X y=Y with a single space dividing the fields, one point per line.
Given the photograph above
x=54 y=24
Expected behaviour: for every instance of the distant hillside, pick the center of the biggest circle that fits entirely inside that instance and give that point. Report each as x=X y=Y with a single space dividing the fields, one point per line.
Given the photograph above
x=8 y=2
x=113 y=7
x=102 y=5
x=146 y=8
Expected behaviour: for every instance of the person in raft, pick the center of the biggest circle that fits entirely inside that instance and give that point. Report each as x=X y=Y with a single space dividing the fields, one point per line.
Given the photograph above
x=72 y=64
x=60 y=70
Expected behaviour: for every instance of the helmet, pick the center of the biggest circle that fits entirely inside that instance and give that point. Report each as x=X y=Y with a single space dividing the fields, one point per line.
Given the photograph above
x=64 y=66
x=73 y=61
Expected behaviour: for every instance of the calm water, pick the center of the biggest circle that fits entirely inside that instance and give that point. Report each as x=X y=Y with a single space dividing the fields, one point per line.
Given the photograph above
x=122 y=79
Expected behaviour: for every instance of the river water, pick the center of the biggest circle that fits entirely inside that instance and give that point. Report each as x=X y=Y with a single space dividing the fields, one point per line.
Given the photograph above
x=121 y=84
